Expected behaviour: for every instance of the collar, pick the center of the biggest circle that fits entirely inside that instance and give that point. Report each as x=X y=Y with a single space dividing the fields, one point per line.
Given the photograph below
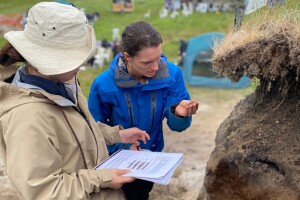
x=71 y=88
x=124 y=80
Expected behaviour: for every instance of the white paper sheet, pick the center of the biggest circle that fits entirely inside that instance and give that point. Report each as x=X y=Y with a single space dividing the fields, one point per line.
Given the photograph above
x=157 y=167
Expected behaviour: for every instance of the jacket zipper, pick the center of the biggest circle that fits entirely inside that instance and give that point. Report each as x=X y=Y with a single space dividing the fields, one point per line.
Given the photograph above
x=129 y=107
x=153 y=108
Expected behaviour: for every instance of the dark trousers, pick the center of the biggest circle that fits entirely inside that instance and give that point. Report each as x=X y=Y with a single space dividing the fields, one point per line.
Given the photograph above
x=137 y=190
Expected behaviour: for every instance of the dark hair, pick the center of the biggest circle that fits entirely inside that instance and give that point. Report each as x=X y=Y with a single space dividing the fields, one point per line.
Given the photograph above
x=137 y=36
x=9 y=55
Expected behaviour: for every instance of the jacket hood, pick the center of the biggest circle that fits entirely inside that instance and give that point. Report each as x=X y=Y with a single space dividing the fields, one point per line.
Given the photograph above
x=122 y=79
x=7 y=72
x=116 y=62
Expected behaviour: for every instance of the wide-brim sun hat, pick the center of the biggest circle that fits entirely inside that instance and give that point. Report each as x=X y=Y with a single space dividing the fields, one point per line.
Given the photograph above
x=57 y=38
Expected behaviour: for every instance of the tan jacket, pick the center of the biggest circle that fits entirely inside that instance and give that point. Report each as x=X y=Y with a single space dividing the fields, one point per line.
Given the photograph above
x=38 y=142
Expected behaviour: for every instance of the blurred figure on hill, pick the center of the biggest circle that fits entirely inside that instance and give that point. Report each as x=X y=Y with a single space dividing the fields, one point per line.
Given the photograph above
x=105 y=43
x=141 y=89
x=115 y=47
x=92 y=17
x=163 y=12
x=115 y=34
x=239 y=17
x=169 y=4
x=147 y=15
x=24 y=19
x=181 y=52
x=48 y=139
x=91 y=61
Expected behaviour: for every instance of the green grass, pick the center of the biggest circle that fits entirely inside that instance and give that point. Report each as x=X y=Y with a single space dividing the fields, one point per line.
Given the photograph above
x=172 y=30
x=86 y=79
x=219 y=95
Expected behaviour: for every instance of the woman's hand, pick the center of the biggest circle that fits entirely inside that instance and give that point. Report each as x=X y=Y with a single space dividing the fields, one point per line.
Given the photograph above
x=133 y=135
x=186 y=108
x=135 y=147
x=117 y=179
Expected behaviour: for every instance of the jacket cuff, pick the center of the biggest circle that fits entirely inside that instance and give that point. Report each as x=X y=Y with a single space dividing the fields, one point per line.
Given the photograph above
x=116 y=135
x=179 y=123
x=104 y=177
x=172 y=111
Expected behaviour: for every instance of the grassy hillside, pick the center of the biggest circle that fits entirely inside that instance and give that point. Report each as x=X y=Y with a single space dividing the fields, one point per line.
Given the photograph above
x=172 y=30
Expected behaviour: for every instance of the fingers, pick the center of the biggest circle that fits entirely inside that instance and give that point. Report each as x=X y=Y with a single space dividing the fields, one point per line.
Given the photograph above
x=125 y=179
x=184 y=103
x=195 y=108
x=122 y=171
x=131 y=135
x=145 y=137
x=192 y=107
x=118 y=179
x=137 y=143
x=186 y=108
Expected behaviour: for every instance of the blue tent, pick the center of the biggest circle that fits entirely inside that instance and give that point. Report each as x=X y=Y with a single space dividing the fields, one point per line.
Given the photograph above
x=197 y=65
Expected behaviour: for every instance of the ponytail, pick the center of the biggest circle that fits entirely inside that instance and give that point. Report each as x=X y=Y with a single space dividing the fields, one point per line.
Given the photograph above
x=9 y=55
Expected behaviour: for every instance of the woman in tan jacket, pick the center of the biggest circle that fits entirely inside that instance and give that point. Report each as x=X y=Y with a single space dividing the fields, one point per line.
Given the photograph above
x=48 y=139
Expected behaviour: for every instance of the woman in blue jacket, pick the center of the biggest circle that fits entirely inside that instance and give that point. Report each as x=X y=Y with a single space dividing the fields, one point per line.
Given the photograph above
x=140 y=89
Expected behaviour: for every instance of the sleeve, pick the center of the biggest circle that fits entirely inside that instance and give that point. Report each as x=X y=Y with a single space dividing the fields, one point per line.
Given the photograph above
x=34 y=163
x=112 y=137
x=111 y=134
x=99 y=110
x=177 y=92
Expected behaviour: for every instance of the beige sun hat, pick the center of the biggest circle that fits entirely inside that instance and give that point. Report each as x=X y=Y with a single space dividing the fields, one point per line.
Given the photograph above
x=56 y=38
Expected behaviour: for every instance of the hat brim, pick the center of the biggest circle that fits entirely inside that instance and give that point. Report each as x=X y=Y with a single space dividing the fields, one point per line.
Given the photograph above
x=50 y=61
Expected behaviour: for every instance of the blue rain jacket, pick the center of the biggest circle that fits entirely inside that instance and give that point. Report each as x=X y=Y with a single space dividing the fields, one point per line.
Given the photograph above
x=117 y=98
